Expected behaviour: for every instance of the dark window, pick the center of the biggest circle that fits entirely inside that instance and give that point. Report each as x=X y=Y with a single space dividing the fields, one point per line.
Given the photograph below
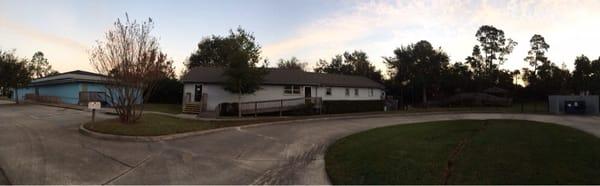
x=291 y=89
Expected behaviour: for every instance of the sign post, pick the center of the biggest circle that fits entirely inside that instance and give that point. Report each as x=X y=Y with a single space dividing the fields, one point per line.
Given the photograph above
x=94 y=105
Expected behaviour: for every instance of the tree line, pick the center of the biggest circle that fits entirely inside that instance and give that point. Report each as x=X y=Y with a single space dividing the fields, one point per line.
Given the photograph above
x=17 y=72
x=420 y=72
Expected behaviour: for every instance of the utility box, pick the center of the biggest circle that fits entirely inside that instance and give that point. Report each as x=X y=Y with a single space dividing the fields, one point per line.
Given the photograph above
x=559 y=104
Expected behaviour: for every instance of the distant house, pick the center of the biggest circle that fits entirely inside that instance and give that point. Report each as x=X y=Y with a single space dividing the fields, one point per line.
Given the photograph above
x=74 y=87
x=204 y=85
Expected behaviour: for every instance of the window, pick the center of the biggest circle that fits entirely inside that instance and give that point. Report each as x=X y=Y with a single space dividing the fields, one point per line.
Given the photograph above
x=355 y=92
x=290 y=89
x=328 y=91
x=347 y=92
x=370 y=92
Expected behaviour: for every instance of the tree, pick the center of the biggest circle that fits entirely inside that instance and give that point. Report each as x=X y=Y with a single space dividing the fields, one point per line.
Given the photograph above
x=491 y=52
x=359 y=61
x=456 y=78
x=336 y=66
x=242 y=76
x=292 y=63
x=595 y=76
x=420 y=65
x=14 y=72
x=536 y=55
x=582 y=74
x=131 y=59
x=355 y=63
x=39 y=66
x=215 y=50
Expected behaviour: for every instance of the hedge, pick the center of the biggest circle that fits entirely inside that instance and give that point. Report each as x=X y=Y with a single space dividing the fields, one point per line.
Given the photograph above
x=345 y=106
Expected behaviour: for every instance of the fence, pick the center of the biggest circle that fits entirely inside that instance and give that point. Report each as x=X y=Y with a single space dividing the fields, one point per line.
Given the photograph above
x=42 y=99
x=273 y=106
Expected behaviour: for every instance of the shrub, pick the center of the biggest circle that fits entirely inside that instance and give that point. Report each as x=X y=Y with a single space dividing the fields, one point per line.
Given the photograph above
x=345 y=106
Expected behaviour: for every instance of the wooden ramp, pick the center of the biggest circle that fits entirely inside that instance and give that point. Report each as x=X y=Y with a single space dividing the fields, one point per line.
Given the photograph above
x=280 y=105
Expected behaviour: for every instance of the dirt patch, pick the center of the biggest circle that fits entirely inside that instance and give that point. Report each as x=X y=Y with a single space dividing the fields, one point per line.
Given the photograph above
x=454 y=155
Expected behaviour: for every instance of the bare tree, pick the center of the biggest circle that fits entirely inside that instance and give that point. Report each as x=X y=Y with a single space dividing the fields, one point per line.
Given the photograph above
x=133 y=64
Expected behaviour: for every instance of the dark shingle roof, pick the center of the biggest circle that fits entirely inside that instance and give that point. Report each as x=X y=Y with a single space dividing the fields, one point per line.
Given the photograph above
x=69 y=77
x=284 y=77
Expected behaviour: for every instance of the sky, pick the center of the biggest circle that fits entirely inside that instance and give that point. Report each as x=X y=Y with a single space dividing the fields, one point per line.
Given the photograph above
x=65 y=30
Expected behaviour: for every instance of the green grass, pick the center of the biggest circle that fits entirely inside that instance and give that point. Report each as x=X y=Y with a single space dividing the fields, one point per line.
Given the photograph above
x=493 y=152
x=155 y=124
x=166 y=108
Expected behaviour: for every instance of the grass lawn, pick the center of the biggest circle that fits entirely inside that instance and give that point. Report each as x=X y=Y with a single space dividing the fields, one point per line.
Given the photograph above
x=155 y=124
x=166 y=108
x=466 y=152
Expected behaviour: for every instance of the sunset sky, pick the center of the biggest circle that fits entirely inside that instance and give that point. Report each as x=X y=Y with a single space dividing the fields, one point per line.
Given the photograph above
x=308 y=29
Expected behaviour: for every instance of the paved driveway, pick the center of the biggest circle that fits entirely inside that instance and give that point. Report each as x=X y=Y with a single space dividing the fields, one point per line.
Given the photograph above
x=41 y=145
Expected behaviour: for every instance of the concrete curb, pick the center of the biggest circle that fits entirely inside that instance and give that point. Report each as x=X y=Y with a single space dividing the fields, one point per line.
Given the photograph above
x=114 y=137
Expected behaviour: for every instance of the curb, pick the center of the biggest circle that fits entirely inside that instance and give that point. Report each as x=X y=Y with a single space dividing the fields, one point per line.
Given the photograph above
x=168 y=137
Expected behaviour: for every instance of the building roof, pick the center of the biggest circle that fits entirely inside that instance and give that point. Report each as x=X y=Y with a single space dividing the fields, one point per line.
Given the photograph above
x=284 y=77
x=77 y=76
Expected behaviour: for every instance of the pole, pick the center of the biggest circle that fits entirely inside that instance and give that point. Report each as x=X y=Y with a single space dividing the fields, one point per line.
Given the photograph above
x=93 y=115
x=281 y=108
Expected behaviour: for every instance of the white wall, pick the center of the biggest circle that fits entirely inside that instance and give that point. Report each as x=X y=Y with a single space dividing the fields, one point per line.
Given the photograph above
x=216 y=94
x=339 y=93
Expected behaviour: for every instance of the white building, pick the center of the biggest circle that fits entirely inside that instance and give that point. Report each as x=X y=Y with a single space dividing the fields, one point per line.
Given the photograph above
x=204 y=86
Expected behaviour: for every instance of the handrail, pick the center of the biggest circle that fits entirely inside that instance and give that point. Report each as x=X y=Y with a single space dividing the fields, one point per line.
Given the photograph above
x=275 y=100
x=280 y=104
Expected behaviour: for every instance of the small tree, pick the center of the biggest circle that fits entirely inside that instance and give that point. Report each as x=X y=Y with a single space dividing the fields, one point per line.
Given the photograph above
x=14 y=72
x=243 y=77
x=133 y=64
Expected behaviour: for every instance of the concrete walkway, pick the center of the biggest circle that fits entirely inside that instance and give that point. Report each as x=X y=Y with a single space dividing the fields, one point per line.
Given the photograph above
x=41 y=145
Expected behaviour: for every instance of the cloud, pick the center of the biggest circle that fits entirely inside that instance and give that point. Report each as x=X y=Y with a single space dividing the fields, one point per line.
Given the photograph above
x=378 y=27
x=33 y=33
x=64 y=53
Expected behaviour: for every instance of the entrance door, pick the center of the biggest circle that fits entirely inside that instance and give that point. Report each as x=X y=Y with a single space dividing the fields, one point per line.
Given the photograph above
x=307 y=92
x=198 y=93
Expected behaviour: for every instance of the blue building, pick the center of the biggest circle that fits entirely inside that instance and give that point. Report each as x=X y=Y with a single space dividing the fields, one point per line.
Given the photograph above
x=75 y=87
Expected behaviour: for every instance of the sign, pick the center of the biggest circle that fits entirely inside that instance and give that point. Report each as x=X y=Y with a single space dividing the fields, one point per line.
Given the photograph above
x=94 y=105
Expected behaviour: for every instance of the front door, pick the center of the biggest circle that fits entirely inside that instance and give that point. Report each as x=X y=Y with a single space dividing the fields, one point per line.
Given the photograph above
x=307 y=92
x=198 y=93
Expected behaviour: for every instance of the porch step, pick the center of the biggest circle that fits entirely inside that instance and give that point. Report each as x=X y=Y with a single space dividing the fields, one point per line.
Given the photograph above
x=192 y=108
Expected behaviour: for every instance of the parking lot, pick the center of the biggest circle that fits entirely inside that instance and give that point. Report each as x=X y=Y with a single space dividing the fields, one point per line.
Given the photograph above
x=42 y=145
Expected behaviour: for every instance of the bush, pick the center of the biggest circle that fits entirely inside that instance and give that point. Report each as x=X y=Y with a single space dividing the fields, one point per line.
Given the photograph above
x=345 y=106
